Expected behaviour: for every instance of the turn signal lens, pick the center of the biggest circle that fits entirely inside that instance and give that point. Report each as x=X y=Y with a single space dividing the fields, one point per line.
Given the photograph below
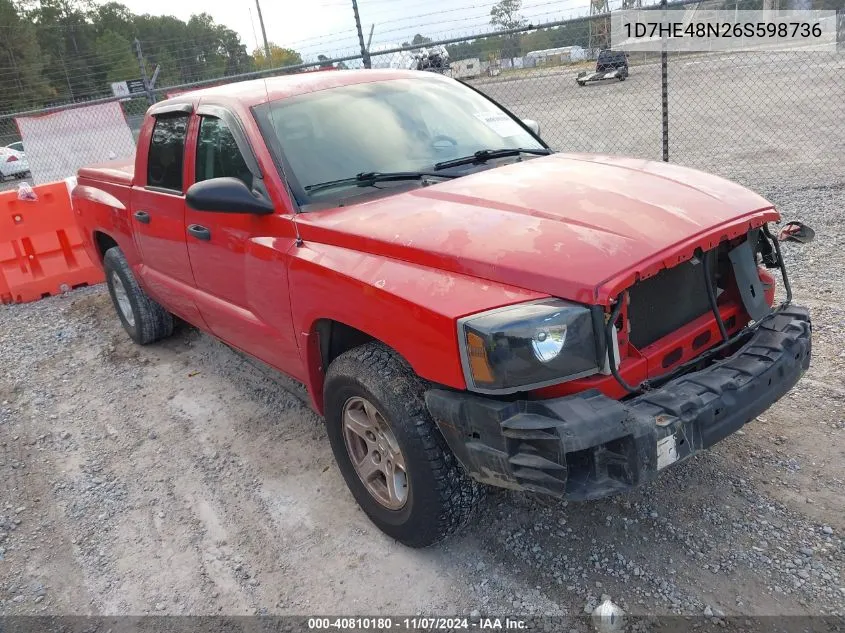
x=478 y=364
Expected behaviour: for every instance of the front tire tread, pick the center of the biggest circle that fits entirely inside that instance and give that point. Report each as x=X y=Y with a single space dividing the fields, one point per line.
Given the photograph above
x=152 y=321
x=456 y=494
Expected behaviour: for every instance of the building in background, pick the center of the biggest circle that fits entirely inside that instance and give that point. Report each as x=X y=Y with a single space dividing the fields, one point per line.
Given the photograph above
x=467 y=68
x=556 y=56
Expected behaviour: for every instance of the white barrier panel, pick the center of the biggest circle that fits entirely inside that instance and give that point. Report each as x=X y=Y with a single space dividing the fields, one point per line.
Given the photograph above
x=58 y=144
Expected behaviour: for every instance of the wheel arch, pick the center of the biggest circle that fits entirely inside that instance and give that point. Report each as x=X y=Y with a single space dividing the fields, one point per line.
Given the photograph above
x=103 y=242
x=327 y=339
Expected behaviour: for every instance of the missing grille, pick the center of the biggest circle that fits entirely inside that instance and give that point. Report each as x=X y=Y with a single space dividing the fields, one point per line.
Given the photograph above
x=663 y=303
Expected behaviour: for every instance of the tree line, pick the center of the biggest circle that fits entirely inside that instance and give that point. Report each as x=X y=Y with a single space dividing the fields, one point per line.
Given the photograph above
x=59 y=51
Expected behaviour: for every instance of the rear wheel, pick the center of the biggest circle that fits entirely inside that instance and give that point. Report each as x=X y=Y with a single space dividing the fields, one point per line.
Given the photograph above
x=143 y=319
x=390 y=452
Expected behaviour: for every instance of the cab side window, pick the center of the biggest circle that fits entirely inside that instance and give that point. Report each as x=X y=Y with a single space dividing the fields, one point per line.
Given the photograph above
x=218 y=154
x=167 y=150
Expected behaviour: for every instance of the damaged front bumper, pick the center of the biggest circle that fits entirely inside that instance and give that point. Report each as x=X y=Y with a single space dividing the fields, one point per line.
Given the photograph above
x=588 y=445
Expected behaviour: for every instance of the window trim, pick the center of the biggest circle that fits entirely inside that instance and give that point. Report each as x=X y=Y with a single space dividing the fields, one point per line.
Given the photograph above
x=165 y=108
x=298 y=197
x=170 y=192
x=169 y=113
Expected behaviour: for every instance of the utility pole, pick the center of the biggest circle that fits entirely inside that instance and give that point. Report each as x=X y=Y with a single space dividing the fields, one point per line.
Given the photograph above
x=370 y=38
x=664 y=90
x=263 y=33
x=67 y=78
x=252 y=24
x=365 y=54
x=768 y=6
x=150 y=95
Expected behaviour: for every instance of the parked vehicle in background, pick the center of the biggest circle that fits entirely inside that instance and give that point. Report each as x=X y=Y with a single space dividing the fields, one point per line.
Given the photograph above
x=13 y=163
x=465 y=306
x=609 y=65
x=434 y=59
x=18 y=146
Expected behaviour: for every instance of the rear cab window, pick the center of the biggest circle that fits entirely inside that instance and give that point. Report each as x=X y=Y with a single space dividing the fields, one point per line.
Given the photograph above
x=167 y=150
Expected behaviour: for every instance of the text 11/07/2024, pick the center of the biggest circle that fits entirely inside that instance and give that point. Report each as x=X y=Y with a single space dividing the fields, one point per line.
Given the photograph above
x=417 y=623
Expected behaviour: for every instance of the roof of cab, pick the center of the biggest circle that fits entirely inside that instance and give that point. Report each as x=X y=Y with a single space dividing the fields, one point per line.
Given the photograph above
x=257 y=91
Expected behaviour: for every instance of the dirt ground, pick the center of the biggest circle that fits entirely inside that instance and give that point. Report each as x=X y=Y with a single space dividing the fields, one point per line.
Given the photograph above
x=179 y=479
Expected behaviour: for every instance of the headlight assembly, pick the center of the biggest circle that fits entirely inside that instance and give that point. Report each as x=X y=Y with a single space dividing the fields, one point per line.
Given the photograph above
x=528 y=345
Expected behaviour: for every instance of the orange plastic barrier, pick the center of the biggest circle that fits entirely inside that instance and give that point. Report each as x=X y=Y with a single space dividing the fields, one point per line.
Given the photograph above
x=41 y=252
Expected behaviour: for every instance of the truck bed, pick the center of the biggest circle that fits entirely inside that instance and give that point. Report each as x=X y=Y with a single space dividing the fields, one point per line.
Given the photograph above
x=120 y=172
x=100 y=203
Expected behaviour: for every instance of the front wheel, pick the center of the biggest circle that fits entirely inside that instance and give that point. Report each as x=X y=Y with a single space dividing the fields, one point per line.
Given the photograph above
x=390 y=452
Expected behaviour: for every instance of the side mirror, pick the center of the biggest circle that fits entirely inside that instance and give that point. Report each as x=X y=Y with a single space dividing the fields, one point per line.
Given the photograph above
x=226 y=195
x=796 y=232
x=532 y=125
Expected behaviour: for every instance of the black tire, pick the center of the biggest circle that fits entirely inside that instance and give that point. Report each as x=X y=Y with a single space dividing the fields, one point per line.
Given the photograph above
x=441 y=496
x=151 y=322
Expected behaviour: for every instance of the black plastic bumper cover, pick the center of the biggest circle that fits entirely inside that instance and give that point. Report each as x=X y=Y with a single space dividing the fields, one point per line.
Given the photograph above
x=588 y=445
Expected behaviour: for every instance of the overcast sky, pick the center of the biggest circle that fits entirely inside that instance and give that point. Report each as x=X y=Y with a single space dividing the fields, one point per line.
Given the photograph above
x=328 y=26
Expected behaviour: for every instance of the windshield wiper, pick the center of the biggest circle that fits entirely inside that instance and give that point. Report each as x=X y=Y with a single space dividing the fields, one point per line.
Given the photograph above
x=369 y=178
x=484 y=155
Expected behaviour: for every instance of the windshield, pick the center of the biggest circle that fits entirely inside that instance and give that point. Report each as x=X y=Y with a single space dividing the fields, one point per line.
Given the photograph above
x=385 y=126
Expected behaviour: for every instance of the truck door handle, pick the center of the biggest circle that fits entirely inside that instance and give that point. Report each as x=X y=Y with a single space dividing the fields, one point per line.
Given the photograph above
x=143 y=217
x=199 y=232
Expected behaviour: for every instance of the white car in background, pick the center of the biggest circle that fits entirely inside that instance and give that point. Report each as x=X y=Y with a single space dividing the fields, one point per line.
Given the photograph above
x=13 y=163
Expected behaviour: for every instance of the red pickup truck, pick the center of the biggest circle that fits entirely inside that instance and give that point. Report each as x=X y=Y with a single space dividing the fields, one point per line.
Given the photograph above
x=465 y=306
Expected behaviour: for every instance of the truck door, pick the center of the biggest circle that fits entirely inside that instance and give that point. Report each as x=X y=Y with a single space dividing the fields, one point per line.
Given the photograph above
x=158 y=216
x=240 y=260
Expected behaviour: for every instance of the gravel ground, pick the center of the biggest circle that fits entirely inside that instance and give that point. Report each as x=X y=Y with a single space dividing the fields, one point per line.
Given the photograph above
x=758 y=118
x=179 y=479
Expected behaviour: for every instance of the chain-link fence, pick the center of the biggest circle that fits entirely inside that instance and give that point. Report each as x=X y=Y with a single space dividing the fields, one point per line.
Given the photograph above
x=752 y=117
x=762 y=118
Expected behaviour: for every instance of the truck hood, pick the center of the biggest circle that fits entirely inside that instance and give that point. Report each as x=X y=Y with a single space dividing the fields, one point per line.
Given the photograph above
x=576 y=226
